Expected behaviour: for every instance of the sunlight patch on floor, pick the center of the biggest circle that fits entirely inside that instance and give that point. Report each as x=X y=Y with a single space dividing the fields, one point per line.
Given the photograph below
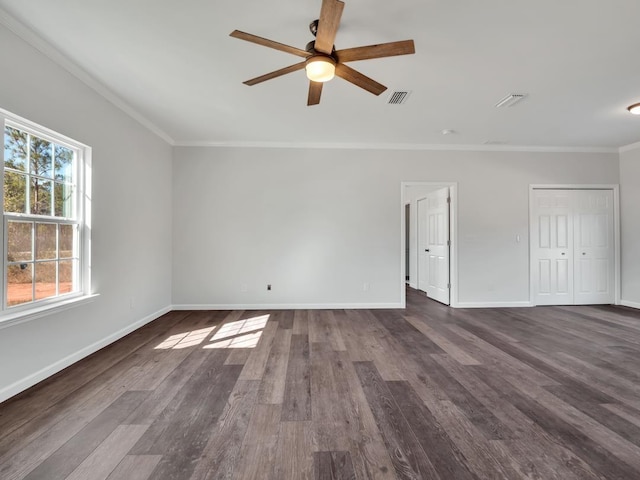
x=239 y=334
x=186 y=339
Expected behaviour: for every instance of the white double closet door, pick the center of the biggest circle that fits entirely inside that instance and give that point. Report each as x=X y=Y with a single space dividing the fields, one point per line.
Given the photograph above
x=572 y=247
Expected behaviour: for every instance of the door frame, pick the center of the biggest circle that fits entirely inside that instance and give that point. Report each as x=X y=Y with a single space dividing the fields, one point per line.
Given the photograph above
x=615 y=188
x=453 y=237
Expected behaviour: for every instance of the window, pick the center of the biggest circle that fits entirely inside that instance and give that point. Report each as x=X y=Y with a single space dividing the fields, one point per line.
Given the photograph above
x=44 y=222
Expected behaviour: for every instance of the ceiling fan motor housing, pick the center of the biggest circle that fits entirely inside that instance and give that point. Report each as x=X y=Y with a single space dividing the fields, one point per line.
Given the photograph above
x=311 y=48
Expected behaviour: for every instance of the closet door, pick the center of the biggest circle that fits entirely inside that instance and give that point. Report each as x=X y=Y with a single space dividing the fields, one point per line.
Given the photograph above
x=594 y=247
x=552 y=247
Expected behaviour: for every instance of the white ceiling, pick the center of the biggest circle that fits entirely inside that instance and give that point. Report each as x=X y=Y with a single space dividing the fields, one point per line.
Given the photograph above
x=175 y=65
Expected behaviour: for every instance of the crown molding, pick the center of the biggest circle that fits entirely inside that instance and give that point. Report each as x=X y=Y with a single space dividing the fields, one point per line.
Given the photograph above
x=36 y=41
x=396 y=146
x=628 y=148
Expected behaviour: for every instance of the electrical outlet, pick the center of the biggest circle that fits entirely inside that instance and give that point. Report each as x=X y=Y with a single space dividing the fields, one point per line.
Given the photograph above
x=244 y=287
x=365 y=287
x=269 y=287
x=132 y=303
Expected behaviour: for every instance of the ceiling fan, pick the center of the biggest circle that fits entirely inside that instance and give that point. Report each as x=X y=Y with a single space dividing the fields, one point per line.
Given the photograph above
x=322 y=61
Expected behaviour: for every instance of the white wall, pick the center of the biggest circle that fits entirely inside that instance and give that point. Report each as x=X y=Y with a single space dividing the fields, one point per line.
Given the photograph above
x=630 y=225
x=319 y=223
x=131 y=237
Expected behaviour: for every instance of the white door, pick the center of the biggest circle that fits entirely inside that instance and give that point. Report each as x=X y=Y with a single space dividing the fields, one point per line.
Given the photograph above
x=593 y=247
x=423 y=245
x=552 y=247
x=572 y=247
x=437 y=248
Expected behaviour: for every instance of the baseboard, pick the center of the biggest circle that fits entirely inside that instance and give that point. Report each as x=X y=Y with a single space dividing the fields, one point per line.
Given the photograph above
x=626 y=303
x=493 y=304
x=288 y=306
x=46 y=372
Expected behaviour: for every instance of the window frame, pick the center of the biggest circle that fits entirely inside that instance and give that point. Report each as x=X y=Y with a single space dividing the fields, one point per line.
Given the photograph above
x=81 y=218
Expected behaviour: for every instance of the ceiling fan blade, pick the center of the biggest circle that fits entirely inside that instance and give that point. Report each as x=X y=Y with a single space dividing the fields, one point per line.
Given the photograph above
x=265 y=42
x=358 y=79
x=328 y=23
x=404 y=47
x=315 y=90
x=277 y=73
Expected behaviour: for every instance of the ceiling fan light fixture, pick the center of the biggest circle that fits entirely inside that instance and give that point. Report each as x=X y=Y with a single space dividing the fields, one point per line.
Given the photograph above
x=320 y=68
x=634 y=109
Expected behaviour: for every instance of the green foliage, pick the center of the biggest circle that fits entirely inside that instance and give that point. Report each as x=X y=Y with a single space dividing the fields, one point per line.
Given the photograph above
x=47 y=167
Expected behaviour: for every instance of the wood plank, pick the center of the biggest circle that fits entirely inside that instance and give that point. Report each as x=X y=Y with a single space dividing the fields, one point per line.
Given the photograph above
x=631 y=415
x=475 y=411
x=293 y=456
x=135 y=467
x=405 y=333
x=257 y=361
x=238 y=356
x=323 y=329
x=605 y=416
x=333 y=466
x=486 y=351
x=369 y=455
x=296 y=404
x=537 y=453
x=301 y=322
x=181 y=438
x=329 y=413
x=484 y=458
x=284 y=319
x=174 y=384
x=592 y=452
x=104 y=459
x=196 y=390
x=272 y=385
x=354 y=343
x=378 y=341
x=457 y=353
x=222 y=453
x=445 y=456
x=68 y=457
x=409 y=459
x=259 y=444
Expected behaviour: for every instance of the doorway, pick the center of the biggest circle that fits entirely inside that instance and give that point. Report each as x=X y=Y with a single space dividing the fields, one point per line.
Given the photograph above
x=429 y=264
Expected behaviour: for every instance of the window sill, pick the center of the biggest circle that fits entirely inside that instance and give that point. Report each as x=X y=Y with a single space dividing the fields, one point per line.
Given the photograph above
x=15 y=318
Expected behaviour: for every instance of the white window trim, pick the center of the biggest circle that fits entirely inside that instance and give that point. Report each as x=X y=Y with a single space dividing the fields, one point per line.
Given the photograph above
x=36 y=309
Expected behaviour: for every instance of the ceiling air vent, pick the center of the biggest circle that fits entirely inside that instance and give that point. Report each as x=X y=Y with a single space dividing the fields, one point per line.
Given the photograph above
x=398 y=97
x=511 y=99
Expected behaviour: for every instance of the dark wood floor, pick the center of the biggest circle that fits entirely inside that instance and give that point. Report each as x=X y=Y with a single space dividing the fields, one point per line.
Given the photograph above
x=423 y=393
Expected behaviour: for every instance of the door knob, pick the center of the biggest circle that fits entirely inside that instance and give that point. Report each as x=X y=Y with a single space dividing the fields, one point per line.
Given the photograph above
x=426 y=249
x=584 y=253
x=562 y=253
